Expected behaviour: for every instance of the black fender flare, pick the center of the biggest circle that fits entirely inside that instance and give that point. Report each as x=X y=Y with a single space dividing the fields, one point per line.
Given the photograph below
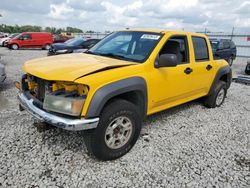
x=226 y=70
x=105 y=93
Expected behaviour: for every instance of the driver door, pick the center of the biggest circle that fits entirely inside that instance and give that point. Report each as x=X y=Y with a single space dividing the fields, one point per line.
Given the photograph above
x=26 y=40
x=172 y=85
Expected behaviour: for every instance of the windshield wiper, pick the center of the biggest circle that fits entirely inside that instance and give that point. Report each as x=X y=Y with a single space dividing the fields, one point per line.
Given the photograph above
x=112 y=55
x=117 y=56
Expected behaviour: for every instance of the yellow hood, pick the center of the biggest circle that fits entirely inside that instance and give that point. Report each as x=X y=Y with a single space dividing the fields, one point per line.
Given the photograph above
x=70 y=67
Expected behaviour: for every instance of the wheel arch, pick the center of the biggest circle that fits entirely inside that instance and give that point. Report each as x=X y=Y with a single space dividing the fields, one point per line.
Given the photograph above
x=15 y=43
x=132 y=89
x=223 y=74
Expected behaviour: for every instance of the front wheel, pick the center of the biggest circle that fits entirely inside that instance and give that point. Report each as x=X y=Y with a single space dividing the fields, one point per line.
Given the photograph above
x=14 y=46
x=217 y=97
x=117 y=131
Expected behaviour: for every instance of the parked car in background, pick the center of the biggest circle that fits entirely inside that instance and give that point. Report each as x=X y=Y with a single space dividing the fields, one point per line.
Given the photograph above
x=58 y=38
x=76 y=45
x=224 y=49
x=4 y=41
x=3 y=35
x=31 y=40
x=2 y=73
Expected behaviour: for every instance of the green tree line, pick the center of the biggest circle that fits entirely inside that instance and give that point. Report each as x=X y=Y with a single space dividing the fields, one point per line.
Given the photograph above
x=33 y=28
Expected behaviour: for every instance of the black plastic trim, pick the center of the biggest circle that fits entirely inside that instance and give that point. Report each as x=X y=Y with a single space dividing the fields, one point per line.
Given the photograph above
x=24 y=84
x=226 y=70
x=111 y=90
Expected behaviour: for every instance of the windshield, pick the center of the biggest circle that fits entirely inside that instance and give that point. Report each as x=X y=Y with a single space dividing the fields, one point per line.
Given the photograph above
x=13 y=35
x=74 y=42
x=127 y=45
x=17 y=36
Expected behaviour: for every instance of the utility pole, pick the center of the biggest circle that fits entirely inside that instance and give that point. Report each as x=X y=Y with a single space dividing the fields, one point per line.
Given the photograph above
x=232 y=33
x=205 y=31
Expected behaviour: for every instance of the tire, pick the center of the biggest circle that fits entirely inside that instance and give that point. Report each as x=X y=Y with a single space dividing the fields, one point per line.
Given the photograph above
x=14 y=47
x=230 y=61
x=104 y=142
x=247 y=69
x=46 y=47
x=217 y=97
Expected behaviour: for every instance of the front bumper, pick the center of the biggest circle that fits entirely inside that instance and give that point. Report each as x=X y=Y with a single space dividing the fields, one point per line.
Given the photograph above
x=58 y=121
x=54 y=52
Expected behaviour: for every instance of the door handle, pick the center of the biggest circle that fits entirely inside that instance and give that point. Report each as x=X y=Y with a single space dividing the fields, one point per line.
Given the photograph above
x=209 y=67
x=188 y=70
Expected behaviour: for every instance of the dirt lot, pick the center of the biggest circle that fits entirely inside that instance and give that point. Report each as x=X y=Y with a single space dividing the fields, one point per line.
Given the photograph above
x=187 y=146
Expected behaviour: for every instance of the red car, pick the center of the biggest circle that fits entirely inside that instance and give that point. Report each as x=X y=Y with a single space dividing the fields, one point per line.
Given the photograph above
x=31 y=40
x=58 y=38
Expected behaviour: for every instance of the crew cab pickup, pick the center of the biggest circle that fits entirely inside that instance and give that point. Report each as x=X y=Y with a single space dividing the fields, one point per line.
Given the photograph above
x=108 y=90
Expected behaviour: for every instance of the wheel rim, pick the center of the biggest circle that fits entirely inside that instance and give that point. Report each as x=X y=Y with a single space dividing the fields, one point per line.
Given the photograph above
x=118 y=132
x=220 y=97
x=14 y=46
x=47 y=47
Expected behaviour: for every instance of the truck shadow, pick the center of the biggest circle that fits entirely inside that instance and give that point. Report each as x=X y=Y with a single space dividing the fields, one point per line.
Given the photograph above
x=171 y=111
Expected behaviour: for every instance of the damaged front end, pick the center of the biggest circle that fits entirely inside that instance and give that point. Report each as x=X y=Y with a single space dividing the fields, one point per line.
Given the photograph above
x=55 y=102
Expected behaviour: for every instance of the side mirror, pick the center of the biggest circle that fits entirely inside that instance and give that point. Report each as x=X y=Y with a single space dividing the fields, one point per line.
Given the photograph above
x=166 y=60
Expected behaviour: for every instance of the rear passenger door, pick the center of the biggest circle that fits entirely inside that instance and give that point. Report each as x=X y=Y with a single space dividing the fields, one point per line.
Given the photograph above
x=204 y=70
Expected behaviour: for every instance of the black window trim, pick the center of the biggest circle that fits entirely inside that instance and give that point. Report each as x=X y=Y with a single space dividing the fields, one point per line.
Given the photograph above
x=186 y=43
x=200 y=60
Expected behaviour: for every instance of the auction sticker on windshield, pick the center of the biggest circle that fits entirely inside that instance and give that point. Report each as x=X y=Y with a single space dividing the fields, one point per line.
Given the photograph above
x=151 y=37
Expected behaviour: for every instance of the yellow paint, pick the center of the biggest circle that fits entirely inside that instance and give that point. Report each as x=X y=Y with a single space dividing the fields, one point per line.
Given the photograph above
x=167 y=87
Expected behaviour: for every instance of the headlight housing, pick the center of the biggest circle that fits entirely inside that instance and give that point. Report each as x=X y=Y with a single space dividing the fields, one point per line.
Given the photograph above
x=64 y=104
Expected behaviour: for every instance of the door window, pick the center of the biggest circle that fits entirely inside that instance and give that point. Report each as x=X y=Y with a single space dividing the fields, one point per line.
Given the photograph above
x=200 y=49
x=232 y=45
x=177 y=45
x=226 y=45
x=25 y=37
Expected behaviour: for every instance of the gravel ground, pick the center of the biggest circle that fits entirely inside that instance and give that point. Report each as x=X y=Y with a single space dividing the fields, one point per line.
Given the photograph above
x=186 y=146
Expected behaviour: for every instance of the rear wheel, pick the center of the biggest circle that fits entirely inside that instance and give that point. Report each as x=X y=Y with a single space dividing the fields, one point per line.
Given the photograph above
x=217 y=97
x=247 y=69
x=14 y=46
x=47 y=47
x=117 y=132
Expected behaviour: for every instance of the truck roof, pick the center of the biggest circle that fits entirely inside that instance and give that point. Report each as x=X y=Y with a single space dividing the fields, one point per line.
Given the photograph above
x=166 y=31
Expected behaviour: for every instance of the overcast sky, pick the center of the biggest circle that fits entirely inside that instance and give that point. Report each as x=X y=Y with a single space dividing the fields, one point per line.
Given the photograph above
x=101 y=15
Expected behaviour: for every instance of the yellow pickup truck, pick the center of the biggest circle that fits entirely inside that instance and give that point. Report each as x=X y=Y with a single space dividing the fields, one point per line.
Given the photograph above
x=109 y=89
